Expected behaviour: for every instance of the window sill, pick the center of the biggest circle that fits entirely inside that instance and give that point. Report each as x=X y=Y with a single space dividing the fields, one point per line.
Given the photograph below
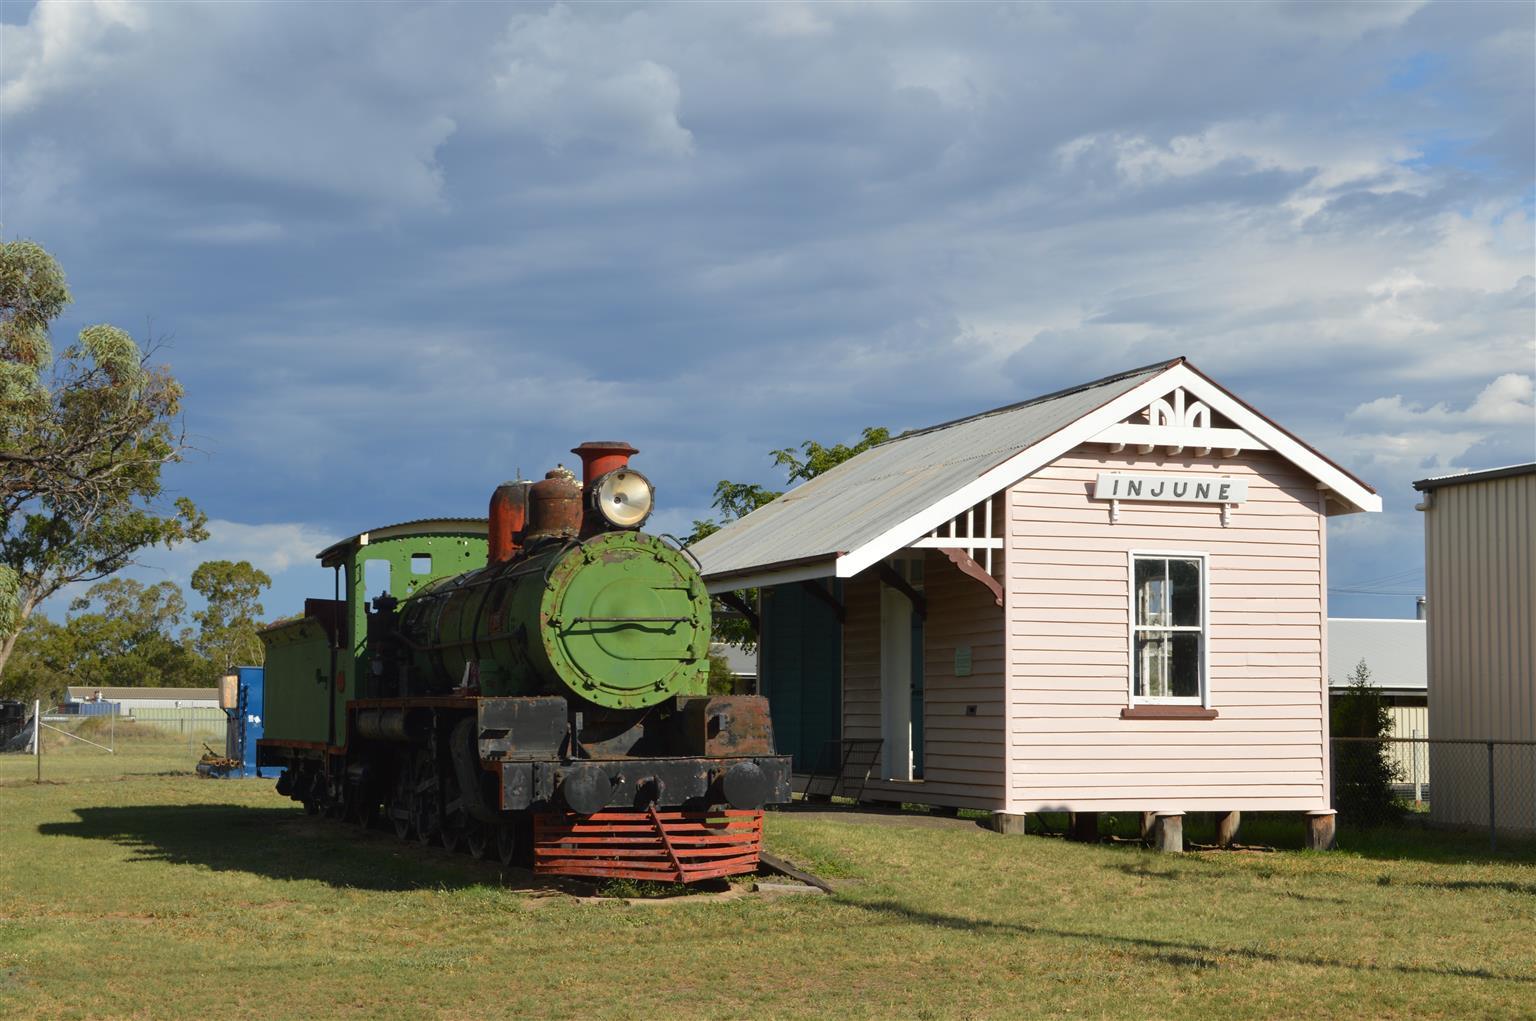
x=1167 y=712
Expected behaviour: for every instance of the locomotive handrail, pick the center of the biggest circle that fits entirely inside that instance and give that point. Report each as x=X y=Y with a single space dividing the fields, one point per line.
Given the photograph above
x=682 y=548
x=630 y=620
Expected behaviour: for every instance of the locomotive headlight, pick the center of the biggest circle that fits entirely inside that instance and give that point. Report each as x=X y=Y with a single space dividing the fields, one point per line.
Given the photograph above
x=623 y=497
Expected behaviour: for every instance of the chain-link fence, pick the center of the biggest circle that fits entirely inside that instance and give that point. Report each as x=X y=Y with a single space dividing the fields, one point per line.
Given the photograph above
x=108 y=745
x=1458 y=782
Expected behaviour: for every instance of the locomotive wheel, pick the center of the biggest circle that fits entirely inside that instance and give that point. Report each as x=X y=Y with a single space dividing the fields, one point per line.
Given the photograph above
x=400 y=816
x=335 y=808
x=457 y=822
x=426 y=828
x=365 y=810
x=400 y=805
x=506 y=843
x=478 y=839
x=424 y=800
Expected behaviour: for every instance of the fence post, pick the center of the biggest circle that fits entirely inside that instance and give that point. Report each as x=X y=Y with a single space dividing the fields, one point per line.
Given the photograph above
x=1418 y=791
x=37 y=736
x=1493 y=832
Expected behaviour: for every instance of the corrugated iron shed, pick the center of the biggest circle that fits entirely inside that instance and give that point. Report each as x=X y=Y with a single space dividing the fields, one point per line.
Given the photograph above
x=1485 y=475
x=1394 y=650
x=866 y=495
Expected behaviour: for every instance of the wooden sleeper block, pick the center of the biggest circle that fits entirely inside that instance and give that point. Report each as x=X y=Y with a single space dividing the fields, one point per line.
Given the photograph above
x=1012 y=823
x=1227 y=824
x=1168 y=832
x=1321 y=832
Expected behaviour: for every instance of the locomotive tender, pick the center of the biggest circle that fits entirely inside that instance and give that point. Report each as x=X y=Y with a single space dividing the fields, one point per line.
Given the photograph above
x=534 y=686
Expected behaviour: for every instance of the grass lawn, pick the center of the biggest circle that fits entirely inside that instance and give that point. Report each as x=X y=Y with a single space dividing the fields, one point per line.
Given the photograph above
x=173 y=896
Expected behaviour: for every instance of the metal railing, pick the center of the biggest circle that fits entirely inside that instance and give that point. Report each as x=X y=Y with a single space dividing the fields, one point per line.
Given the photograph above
x=1468 y=783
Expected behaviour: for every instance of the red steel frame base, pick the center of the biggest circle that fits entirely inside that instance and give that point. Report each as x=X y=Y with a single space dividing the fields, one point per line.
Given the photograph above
x=667 y=847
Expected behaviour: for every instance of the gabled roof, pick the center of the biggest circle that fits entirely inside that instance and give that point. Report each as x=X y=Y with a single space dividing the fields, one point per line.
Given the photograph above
x=1394 y=650
x=872 y=505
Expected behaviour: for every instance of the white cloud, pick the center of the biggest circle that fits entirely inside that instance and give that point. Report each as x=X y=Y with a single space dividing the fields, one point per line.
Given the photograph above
x=570 y=79
x=185 y=91
x=1505 y=401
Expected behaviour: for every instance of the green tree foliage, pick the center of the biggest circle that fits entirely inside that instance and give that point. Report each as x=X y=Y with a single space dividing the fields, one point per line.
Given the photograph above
x=83 y=440
x=41 y=662
x=1362 y=771
x=121 y=633
x=815 y=459
x=227 y=627
x=738 y=499
x=721 y=680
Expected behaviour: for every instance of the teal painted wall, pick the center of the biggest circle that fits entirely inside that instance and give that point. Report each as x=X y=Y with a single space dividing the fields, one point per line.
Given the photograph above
x=801 y=667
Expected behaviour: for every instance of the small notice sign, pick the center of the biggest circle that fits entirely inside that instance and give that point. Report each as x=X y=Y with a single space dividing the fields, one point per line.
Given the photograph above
x=962 y=661
x=1170 y=488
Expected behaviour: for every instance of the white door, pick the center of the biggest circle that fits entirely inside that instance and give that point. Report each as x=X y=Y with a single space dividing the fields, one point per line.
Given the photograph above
x=896 y=683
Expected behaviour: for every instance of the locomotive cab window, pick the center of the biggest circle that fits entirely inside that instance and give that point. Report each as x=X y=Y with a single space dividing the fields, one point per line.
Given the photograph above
x=376 y=578
x=421 y=563
x=1168 y=629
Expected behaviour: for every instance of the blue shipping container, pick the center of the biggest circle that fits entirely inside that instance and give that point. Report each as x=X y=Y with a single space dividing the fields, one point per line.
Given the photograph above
x=98 y=708
x=245 y=720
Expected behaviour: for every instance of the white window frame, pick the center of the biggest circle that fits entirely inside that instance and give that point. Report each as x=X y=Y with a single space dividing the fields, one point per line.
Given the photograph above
x=1204 y=699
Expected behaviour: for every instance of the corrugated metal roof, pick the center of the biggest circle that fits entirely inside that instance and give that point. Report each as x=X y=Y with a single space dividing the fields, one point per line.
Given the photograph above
x=867 y=495
x=1394 y=650
x=1436 y=481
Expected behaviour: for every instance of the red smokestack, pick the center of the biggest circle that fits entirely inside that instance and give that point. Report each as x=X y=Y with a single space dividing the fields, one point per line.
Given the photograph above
x=509 y=517
x=599 y=457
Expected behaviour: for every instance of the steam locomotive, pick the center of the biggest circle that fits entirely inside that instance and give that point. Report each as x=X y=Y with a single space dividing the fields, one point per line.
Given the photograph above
x=532 y=686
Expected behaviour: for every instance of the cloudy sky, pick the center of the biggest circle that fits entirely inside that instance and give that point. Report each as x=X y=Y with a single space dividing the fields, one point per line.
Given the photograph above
x=398 y=252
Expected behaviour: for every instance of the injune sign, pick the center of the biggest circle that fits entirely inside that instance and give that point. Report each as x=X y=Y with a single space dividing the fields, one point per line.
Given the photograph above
x=1170 y=488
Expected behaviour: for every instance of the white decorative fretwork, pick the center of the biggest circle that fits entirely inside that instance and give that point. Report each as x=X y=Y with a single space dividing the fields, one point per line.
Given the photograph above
x=1181 y=413
x=978 y=531
x=1175 y=422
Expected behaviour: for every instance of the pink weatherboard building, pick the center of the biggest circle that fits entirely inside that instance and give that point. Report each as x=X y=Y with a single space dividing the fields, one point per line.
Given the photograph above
x=1106 y=599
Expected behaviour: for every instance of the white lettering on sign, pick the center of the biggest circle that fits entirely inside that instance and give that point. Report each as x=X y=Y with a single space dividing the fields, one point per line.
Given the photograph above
x=1170 y=488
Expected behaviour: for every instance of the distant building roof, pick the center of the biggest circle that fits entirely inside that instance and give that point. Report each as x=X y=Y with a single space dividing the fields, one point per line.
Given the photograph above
x=83 y=693
x=743 y=663
x=1394 y=650
x=1457 y=478
x=877 y=502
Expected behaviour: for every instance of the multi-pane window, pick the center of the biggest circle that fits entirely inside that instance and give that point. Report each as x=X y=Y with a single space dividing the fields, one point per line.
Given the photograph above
x=1168 y=624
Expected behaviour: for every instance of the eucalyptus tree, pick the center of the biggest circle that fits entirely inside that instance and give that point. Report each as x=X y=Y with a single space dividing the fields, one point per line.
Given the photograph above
x=84 y=438
x=228 y=623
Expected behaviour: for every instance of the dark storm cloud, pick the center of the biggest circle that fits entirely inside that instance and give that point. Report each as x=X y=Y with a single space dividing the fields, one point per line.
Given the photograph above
x=401 y=252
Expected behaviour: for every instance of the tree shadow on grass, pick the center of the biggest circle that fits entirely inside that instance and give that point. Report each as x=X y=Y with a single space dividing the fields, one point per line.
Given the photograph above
x=1181 y=953
x=283 y=843
x=1529 y=889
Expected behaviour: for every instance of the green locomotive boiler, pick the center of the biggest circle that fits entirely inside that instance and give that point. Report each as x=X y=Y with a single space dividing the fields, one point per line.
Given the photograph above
x=532 y=685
